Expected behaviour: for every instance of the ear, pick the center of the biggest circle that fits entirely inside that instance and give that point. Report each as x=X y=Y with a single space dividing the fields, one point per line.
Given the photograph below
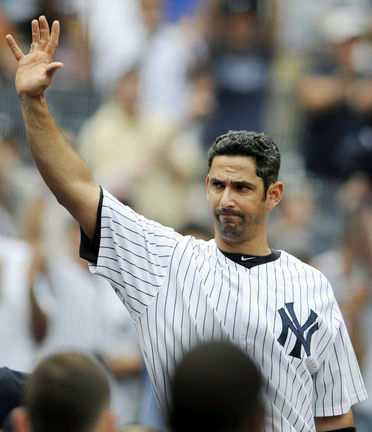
x=274 y=195
x=109 y=422
x=20 y=420
x=207 y=183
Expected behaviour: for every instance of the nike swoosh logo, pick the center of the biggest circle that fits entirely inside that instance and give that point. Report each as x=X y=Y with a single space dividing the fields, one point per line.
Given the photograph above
x=243 y=258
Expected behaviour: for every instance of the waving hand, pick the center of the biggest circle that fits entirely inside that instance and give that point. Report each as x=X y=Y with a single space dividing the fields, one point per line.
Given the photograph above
x=36 y=69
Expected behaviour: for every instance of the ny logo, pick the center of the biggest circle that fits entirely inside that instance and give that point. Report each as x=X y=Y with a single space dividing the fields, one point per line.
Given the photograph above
x=291 y=322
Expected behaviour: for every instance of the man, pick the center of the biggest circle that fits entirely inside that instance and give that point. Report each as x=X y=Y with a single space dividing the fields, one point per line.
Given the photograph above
x=233 y=380
x=65 y=392
x=181 y=291
x=11 y=384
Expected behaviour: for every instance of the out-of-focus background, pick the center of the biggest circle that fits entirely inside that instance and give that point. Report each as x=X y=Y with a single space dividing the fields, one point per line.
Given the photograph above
x=146 y=87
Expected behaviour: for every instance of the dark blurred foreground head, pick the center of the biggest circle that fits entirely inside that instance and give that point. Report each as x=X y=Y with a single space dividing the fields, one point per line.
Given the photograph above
x=216 y=388
x=66 y=392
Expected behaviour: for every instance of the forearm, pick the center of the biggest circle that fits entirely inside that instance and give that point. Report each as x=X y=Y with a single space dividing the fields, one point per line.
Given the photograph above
x=63 y=170
x=65 y=173
x=320 y=93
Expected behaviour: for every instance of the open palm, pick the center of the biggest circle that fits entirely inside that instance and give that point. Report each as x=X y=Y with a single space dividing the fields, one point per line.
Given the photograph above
x=36 y=69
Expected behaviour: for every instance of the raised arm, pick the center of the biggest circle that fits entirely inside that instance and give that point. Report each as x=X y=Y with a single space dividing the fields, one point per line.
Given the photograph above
x=65 y=173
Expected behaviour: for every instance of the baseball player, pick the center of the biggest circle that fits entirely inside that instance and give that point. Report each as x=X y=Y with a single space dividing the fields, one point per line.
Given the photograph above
x=181 y=291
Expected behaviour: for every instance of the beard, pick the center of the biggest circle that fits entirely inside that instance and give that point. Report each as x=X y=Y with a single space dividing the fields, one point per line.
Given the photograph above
x=235 y=226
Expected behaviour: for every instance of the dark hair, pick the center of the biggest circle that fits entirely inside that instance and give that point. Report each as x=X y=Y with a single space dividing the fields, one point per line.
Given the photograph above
x=216 y=387
x=256 y=145
x=66 y=392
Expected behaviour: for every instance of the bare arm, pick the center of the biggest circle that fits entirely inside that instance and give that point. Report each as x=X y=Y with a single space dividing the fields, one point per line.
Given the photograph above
x=323 y=424
x=318 y=93
x=65 y=173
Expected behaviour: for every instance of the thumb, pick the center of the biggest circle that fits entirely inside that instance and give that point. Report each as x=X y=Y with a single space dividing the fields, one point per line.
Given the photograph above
x=52 y=67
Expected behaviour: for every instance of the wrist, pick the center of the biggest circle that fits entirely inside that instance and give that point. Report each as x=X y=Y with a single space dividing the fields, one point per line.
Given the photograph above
x=27 y=99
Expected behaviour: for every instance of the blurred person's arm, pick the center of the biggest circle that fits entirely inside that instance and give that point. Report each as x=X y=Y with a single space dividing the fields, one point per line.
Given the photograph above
x=124 y=366
x=359 y=94
x=65 y=173
x=329 y=424
x=318 y=93
x=321 y=92
x=39 y=319
x=32 y=233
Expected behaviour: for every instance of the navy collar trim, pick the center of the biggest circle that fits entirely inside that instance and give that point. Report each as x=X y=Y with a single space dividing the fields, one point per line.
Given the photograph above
x=250 y=261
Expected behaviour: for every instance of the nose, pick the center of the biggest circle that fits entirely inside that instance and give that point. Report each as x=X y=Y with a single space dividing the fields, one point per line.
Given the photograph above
x=227 y=199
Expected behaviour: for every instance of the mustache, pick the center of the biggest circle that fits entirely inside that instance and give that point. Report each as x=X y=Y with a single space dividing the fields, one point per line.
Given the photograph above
x=228 y=212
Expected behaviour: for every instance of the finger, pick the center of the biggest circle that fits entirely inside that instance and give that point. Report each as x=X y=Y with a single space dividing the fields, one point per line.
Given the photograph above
x=44 y=29
x=18 y=54
x=53 y=40
x=34 y=47
x=52 y=67
x=35 y=31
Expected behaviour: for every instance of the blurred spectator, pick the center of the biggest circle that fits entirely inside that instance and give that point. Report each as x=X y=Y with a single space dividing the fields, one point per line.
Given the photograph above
x=7 y=224
x=150 y=414
x=136 y=156
x=65 y=392
x=138 y=34
x=336 y=96
x=19 y=181
x=22 y=321
x=75 y=54
x=179 y=9
x=296 y=23
x=348 y=265
x=240 y=61
x=349 y=277
x=11 y=384
x=7 y=66
x=124 y=26
x=85 y=315
x=171 y=53
x=291 y=228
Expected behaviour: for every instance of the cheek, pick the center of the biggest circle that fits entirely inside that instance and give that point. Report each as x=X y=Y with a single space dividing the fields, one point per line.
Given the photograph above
x=212 y=200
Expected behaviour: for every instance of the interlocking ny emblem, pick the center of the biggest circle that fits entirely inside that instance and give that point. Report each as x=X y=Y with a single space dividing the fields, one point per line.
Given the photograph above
x=291 y=322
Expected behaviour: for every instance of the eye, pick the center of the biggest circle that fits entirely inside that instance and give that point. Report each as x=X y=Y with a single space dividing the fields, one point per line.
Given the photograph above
x=243 y=188
x=218 y=185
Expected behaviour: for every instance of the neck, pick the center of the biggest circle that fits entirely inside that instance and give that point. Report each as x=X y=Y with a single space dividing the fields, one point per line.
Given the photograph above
x=256 y=246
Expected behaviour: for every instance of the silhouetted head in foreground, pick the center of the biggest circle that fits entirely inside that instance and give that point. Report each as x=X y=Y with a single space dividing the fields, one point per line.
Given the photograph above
x=66 y=392
x=216 y=388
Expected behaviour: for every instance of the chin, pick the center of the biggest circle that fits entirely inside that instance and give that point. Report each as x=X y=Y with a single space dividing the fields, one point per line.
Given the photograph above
x=230 y=235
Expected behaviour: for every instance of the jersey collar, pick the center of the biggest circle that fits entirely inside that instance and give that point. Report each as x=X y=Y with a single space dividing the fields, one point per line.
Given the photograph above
x=250 y=261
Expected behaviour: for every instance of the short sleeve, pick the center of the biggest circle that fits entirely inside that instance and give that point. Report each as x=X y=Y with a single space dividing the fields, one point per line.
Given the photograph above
x=134 y=254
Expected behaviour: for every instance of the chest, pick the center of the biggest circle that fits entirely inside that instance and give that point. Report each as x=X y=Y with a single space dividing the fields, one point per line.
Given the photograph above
x=266 y=310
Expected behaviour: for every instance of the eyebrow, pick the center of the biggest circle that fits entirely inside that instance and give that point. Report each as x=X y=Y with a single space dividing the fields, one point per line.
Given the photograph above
x=239 y=183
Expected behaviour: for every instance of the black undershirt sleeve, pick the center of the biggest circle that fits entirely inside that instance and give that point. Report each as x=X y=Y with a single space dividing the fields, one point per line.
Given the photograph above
x=89 y=248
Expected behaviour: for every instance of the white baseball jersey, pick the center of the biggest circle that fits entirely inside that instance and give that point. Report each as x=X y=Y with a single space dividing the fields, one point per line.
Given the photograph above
x=181 y=291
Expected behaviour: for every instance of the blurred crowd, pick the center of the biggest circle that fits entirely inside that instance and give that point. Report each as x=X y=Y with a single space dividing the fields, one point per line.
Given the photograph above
x=146 y=87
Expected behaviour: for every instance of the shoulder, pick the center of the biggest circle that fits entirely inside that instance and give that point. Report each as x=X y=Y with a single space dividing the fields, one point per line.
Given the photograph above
x=290 y=260
x=199 y=250
x=122 y=219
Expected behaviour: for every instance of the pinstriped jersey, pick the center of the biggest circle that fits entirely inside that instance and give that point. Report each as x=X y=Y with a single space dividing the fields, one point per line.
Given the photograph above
x=181 y=291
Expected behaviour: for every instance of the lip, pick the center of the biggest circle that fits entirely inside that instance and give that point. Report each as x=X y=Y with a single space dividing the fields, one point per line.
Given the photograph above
x=227 y=214
x=228 y=218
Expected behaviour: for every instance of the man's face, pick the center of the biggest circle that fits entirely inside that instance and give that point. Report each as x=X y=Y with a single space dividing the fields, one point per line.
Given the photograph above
x=236 y=196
